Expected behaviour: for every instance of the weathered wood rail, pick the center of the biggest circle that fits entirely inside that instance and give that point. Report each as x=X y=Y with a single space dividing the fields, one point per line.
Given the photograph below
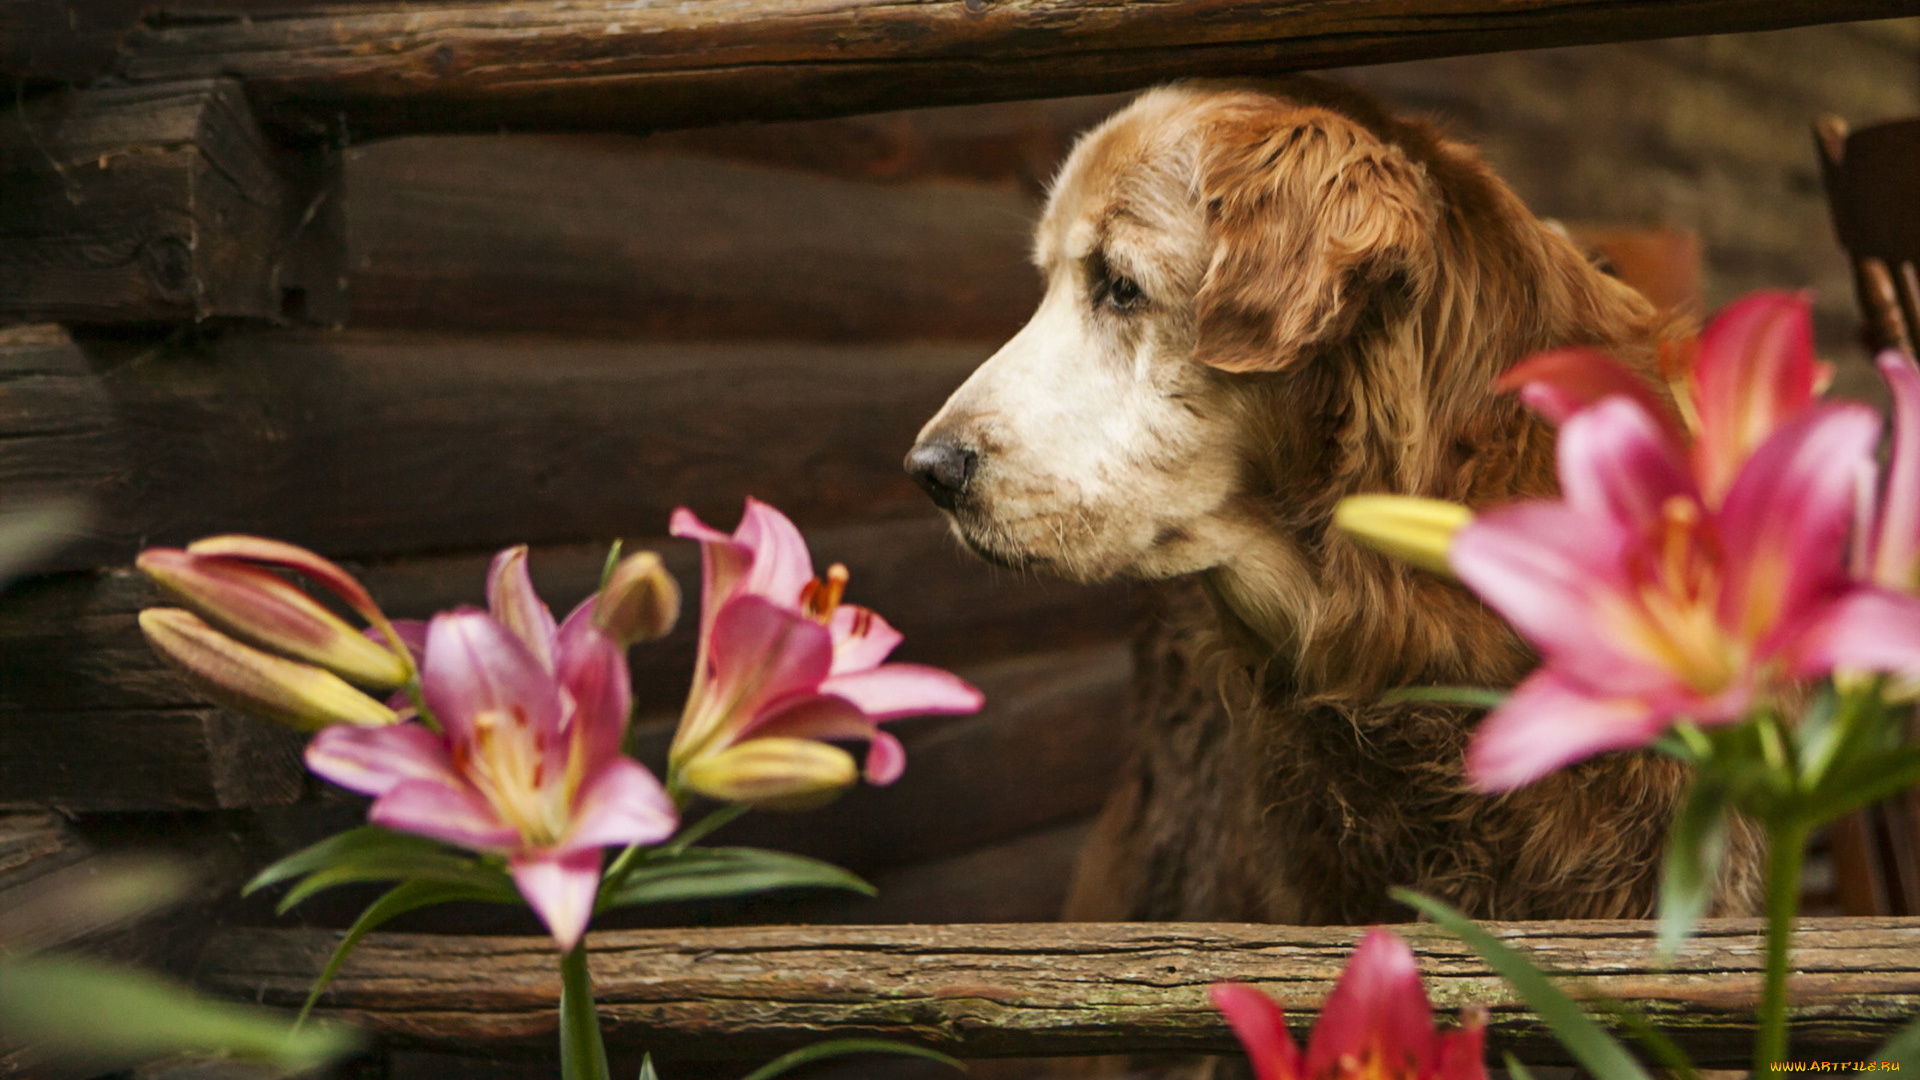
x=375 y=70
x=1037 y=990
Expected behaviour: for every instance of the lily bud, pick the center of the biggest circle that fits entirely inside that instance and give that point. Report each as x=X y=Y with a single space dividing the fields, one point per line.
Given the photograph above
x=260 y=607
x=640 y=602
x=255 y=682
x=773 y=773
x=1415 y=530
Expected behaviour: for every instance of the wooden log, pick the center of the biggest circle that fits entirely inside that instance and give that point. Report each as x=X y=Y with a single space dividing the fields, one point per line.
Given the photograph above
x=602 y=236
x=361 y=444
x=604 y=66
x=164 y=204
x=1030 y=990
x=200 y=758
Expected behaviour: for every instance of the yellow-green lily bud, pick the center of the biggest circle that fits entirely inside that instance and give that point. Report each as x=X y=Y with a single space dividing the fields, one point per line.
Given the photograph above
x=773 y=773
x=259 y=683
x=258 y=606
x=1416 y=530
x=640 y=602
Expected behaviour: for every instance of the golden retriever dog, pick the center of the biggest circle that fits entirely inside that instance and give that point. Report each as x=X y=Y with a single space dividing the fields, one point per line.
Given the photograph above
x=1261 y=298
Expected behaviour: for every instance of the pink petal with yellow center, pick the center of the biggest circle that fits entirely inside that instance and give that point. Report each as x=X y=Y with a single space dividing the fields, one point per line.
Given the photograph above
x=560 y=887
x=452 y=814
x=1261 y=1028
x=476 y=666
x=1548 y=722
x=622 y=804
x=373 y=761
x=1561 y=382
x=512 y=601
x=1378 y=1011
x=1786 y=520
x=761 y=652
x=1896 y=535
x=1755 y=372
x=861 y=639
x=1618 y=463
x=891 y=691
x=1557 y=576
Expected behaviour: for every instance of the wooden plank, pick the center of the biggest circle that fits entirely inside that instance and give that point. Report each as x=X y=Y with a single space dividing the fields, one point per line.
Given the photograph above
x=1088 y=988
x=164 y=203
x=363 y=444
x=138 y=759
x=604 y=236
x=605 y=65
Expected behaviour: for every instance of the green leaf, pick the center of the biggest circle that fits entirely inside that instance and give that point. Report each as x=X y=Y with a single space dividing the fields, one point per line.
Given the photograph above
x=712 y=873
x=1592 y=1046
x=99 y=894
x=31 y=532
x=367 y=845
x=1696 y=846
x=1449 y=695
x=701 y=829
x=108 y=1016
x=454 y=871
x=1850 y=787
x=839 y=1047
x=397 y=901
x=646 y=1069
x=1515 y=1070
x=1903 y=1049
x=1664 y=1051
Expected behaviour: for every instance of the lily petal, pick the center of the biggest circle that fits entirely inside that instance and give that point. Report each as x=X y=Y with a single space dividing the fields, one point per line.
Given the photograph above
x=1463 y=1053
x=512 y=601
x=1866 y=630
x=593 y=669
x=624 y=804
x=782 y=565
x=891 y=691
x=373 y=761
x=1261 y=1028
x=1561 y=382
x=560 y=887
x=454 y=814
x=295 y=558
x=762 y=652
x=1548 y=722
x=1617 y=462
x=476 y=666
x=1896 y=535
x=1787 y=516
x=1755 y=373
x=886 y=759
x=861 y=638
x=1378 y=1010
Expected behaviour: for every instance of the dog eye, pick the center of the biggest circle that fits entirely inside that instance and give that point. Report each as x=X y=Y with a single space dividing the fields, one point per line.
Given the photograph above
x=1123 y=294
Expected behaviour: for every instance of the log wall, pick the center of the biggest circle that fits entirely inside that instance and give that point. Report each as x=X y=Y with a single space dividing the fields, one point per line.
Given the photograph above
x=556 y=339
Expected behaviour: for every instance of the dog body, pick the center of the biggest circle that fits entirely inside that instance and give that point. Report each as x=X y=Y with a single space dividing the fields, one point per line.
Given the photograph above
x=1261 y=299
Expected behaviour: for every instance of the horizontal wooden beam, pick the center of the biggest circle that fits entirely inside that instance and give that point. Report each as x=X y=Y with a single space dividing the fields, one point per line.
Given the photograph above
x=601 y=65
x=367 y=444
x=986 y=990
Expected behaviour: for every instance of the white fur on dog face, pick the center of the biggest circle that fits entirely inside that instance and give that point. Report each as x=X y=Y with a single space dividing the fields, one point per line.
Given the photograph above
x=1103 y=447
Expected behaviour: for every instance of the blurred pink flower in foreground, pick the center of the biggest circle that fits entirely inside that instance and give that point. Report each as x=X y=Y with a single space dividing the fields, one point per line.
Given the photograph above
x=528 y=763
x=1682 y=582
x=784 y=664
x=1376 y=1025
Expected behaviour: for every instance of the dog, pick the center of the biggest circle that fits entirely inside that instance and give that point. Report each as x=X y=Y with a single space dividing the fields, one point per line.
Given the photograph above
x=1261 y=297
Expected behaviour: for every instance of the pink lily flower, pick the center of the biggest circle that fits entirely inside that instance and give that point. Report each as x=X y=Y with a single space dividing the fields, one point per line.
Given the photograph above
x=783 y=663
x=528 y=764
x=1753 y=373
x=1649 y=606
x=1377 y=1025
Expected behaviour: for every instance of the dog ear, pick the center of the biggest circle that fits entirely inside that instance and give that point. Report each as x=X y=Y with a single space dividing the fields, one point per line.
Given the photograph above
x=1308 y=212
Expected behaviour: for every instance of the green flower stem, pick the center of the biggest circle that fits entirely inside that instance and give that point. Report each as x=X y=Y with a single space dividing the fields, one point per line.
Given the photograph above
x=582 y=1055
x=1787 y=851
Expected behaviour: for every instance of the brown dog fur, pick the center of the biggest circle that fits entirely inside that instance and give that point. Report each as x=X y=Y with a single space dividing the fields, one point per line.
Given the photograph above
x=1364 y=281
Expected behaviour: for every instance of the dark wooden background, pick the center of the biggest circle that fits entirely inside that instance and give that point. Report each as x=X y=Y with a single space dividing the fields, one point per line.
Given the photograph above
x=557 y=339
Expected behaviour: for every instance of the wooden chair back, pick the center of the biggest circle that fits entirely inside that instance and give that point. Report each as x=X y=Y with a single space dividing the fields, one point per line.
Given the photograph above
x=1873 y=187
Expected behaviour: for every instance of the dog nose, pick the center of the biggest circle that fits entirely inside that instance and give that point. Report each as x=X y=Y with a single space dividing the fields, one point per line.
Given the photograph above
x=942 y=468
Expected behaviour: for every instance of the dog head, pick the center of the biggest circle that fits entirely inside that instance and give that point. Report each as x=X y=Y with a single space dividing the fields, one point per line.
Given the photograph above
x=1198 y=244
